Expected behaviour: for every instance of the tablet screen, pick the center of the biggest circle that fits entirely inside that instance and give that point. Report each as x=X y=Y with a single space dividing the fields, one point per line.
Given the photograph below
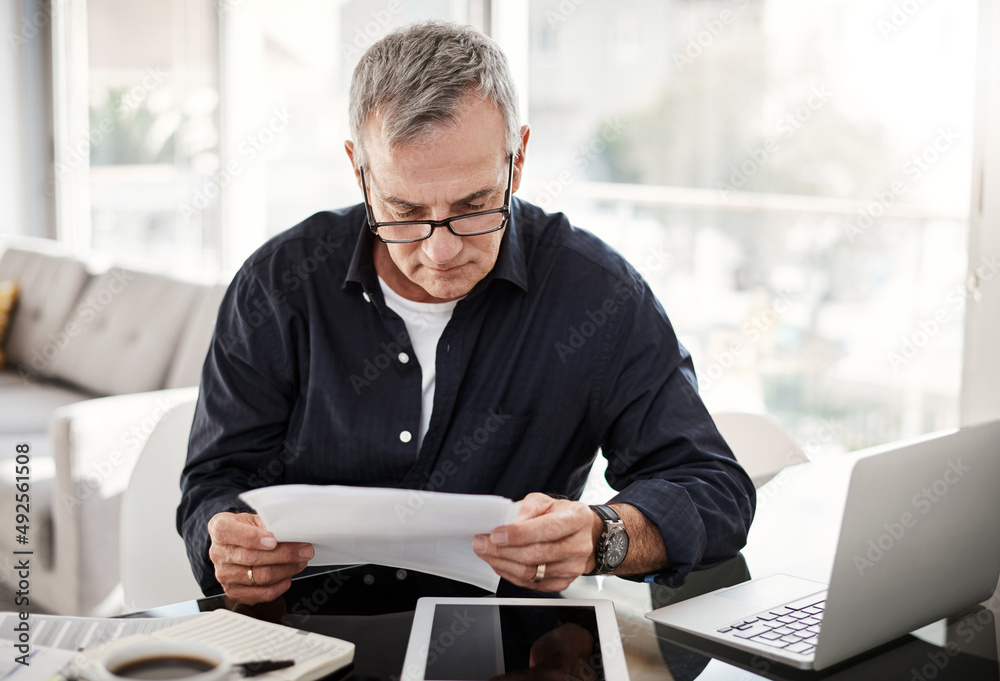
x=484 y=642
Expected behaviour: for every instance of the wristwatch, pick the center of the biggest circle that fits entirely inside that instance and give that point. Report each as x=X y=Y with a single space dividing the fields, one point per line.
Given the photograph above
x=612 y=546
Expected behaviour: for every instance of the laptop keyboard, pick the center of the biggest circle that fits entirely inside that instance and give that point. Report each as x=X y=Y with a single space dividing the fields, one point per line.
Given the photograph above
x=793 y=627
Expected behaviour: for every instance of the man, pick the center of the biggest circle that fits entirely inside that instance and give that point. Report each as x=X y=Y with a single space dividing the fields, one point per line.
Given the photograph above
x=443 y=335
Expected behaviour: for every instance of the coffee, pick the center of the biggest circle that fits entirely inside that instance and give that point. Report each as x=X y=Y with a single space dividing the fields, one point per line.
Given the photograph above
x=163 y=667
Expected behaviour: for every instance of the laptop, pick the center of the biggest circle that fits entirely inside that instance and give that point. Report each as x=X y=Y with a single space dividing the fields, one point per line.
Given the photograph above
x=919 y=541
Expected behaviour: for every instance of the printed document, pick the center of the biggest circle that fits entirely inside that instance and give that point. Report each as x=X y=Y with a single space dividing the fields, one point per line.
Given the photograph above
x=427 y=531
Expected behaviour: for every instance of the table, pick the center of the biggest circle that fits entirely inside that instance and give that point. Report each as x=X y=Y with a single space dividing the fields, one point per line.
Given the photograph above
x=798 y=516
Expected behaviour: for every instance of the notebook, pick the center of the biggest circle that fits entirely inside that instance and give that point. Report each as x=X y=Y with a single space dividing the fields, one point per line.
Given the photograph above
x=918 y=542
x=246 y=640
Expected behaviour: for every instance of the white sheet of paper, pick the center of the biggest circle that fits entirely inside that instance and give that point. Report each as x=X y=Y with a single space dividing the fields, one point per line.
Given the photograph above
x=414 y=529
x=43 y=663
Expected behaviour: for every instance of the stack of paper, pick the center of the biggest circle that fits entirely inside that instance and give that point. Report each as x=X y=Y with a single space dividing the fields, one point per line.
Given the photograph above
x=57 y=639
x=427 y=531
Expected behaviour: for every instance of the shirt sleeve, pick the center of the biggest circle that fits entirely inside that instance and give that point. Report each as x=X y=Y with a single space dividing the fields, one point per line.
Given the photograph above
x=664 y=453
x=238 y=438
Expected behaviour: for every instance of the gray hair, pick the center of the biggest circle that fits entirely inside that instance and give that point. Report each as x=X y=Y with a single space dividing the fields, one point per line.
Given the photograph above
x=416 y=77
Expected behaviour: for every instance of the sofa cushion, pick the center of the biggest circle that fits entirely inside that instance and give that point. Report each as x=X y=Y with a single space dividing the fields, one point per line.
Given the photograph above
x=8 y=297
x=123 y=332
x=50 y=285
x=28 y=404
x=193 y=347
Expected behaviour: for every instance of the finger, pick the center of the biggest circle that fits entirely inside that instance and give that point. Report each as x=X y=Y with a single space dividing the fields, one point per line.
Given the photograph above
x=509 y=569
x=574 y=552
x=286 y=552
x=263 y=575
x=557 y=576
x=534 y=504
x=240 y=530
x=558 y=523
x=251 y=595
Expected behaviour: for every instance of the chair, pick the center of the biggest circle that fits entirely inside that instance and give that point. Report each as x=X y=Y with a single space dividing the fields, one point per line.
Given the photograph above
x=760 y=444
x=154 y=566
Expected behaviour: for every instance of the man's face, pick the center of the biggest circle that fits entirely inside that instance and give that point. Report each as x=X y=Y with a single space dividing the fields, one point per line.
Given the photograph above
x=460 y=168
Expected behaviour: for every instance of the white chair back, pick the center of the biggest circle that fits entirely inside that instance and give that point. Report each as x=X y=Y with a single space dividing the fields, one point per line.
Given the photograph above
x=154 y=565
x=760 y=444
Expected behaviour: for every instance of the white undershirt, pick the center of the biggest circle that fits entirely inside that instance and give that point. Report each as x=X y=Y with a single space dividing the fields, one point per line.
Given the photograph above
x=425 y=323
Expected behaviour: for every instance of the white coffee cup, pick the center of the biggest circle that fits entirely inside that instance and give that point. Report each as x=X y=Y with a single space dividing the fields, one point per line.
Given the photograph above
x=159 y=658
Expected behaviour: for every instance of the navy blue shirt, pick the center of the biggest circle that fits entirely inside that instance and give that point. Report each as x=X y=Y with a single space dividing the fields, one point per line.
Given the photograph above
x=559 y=351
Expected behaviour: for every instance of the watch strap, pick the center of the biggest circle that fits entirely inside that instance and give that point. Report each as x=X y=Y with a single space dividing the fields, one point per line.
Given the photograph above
x=606 y=513
x=612 y=522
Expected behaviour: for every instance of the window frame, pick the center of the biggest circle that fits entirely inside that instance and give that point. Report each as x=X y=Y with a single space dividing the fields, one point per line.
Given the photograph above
x=979 y=397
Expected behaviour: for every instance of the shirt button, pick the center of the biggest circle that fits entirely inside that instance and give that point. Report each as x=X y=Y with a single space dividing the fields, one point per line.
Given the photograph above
x=405 y=436
x=404 y=358
x=366 y=297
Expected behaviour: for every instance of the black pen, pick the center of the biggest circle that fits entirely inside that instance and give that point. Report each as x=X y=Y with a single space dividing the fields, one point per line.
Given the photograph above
x=263 y=666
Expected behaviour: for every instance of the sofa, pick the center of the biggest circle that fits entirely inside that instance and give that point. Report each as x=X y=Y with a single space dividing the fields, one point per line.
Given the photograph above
x=96 y=355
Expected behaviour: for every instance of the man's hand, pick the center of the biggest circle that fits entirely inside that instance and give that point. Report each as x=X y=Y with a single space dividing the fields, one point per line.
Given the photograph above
x=555 y=532
x=240 y=542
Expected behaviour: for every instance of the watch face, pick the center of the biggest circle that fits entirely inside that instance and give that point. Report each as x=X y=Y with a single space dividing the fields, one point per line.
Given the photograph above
x=615 y=549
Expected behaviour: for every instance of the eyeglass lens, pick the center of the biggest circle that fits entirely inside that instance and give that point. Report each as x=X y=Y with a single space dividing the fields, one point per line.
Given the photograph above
x=475 y=224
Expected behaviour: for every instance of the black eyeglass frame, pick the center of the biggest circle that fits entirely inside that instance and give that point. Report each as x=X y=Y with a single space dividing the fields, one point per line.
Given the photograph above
x=373 y=224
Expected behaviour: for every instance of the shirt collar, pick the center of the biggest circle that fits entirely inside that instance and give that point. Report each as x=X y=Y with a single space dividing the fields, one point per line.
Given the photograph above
x=511 y=263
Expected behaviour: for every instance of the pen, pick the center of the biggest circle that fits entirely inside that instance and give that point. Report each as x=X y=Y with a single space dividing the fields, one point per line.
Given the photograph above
x=263 y=666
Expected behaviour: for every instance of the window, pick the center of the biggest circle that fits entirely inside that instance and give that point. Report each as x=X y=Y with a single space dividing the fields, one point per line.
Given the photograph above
x=153 y=132
x=288 y=66
x=213 y=124
x=793 y=178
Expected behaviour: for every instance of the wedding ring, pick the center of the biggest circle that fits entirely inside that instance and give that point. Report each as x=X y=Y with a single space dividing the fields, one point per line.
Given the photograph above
x=253 y=582
x=539 y=574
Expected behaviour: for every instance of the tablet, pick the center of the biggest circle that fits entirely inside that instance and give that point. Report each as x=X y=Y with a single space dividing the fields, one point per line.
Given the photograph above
x=479 y=639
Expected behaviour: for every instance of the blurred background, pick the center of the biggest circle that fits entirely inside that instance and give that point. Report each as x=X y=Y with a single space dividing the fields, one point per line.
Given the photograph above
x=794 y=178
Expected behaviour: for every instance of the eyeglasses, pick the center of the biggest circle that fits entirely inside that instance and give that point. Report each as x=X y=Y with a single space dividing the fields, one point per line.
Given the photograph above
x=470 y=224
